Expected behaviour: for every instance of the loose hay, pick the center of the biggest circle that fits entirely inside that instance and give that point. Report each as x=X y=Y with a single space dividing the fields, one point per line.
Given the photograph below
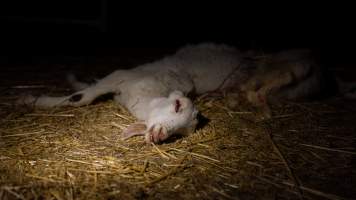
x=305 y=151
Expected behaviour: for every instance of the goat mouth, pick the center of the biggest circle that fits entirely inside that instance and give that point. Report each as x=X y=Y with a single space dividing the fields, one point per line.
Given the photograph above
x=178 y=105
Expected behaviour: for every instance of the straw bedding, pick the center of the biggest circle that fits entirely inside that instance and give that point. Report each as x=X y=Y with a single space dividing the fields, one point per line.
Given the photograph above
x=306 y=151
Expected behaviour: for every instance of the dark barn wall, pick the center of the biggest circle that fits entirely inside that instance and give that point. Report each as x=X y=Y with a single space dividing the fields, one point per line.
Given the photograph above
x=34 y=28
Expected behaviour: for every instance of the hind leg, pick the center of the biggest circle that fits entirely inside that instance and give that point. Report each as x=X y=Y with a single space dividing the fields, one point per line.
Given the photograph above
x=76 y=85
x=272 y=83
x=260 y=97
x=80 y=98
x=109 y=84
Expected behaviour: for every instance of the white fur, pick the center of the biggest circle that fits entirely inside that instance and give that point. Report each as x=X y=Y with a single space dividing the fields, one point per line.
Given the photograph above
x=150 y=91
x=75 y=83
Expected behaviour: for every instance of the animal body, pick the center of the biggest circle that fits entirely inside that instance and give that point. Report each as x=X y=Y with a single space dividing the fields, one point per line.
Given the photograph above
x=292 y=74
x=155 y=93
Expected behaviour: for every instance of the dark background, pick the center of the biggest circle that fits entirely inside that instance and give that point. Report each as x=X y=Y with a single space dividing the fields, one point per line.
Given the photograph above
x=57 y=28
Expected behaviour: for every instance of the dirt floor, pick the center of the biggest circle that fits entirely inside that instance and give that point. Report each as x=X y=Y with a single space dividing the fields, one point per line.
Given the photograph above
x=306 y=151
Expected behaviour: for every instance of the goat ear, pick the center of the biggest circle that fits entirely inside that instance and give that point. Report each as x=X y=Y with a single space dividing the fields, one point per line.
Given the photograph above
x=138 y=128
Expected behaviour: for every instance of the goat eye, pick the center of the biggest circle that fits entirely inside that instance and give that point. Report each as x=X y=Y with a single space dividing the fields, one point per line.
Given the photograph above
x=177 y=105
